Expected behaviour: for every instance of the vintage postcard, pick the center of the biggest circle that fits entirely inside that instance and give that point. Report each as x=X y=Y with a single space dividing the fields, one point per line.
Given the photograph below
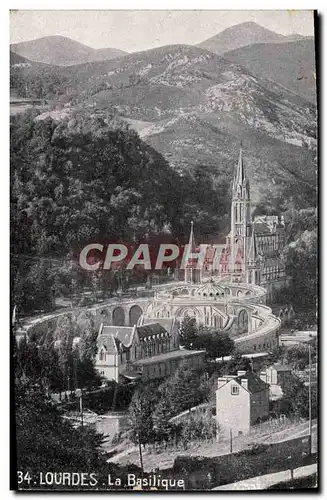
x=164 y=229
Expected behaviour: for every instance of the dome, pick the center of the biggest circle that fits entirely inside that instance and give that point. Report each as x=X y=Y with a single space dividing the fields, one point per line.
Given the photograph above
x=210 y=290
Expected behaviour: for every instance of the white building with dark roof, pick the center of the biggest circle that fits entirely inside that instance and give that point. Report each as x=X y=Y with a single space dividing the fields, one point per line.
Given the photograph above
x=241 y=401
x=149 y=350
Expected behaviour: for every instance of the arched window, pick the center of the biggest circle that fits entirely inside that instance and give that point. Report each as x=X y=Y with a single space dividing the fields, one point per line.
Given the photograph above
x=102 y=354
x=134 y=314
x=243 y=320
x=118 y=317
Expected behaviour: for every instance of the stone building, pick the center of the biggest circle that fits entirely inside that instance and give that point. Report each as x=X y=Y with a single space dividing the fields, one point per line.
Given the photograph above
x=150 y=351
x=241 y=401
x=254 y=246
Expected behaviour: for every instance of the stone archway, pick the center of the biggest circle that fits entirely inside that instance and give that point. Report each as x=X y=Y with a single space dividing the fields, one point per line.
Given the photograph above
x=134 y=315
x=243 y=320
x=191 y=312
x=118 y=317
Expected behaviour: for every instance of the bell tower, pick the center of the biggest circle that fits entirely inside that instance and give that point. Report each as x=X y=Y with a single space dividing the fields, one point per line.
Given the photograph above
x=241 y=222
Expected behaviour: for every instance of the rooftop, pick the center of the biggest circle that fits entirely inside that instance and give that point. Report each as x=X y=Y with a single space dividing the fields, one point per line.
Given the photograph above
x=123 y=333
x=255 y=384
x=150 y=330
x=109 y=342
x=179 y=353
x=281 y=368
x=167 y=323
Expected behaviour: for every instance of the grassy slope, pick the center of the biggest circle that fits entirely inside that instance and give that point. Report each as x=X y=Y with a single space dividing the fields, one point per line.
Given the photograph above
x=290 y=64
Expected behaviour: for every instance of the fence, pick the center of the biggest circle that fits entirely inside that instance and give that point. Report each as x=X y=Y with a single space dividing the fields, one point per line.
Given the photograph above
x=206 y=473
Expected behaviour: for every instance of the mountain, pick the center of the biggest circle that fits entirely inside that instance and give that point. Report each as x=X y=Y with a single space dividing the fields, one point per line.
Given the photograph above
x=17 y=59
x=290 y=64
x=62 y=51
x=194 y=107
x=241 y=35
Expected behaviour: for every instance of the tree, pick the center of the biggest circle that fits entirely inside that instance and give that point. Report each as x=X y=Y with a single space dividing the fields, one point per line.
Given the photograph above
x=140 y=414
x=296 y=398
x=302 y=266
x=198 y=426
x=47 y=442
x=298 y=356
x=182 y=391
x=216 y=344
x=237 y=362
x=188 y=332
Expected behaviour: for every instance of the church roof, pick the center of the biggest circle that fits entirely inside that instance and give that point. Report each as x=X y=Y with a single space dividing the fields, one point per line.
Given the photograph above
x=166 y=323
x=108 y=341
x=150 y=330
x=261 y=227
x=123 y=334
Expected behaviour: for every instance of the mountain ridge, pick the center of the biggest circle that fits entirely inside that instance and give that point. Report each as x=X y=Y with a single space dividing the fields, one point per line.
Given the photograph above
x=290 y=64
x=195 y=107
x=59 y=50
x=241 y=35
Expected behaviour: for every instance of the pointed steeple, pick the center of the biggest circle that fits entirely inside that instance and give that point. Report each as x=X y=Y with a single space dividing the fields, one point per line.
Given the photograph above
x=240 y=175
x=241 y=185
x=191 y=240
x=252 y=251
x=191 y=263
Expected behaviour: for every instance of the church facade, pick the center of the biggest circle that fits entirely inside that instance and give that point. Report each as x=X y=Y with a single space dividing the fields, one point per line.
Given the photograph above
x=254 y=247
x=253 y=252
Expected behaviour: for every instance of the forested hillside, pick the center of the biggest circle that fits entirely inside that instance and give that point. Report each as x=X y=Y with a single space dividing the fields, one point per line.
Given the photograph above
x=90 y=178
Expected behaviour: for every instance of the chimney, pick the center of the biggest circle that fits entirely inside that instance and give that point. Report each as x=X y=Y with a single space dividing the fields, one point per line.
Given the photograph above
x=244 y=383
x=240 y=373
x=221 y=381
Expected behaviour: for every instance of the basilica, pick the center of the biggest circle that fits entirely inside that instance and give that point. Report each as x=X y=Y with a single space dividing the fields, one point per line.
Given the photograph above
x=253 y=252
x=228 y=294
x=138 y=336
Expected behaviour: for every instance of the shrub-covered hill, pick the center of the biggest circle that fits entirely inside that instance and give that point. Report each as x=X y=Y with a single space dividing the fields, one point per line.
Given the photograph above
x=90 y=177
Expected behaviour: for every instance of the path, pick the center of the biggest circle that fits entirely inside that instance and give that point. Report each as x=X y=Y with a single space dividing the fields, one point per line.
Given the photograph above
x=165 y=458
x=263 y=482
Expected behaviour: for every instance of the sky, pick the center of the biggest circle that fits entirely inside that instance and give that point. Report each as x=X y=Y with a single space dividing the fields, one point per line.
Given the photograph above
x=134 y=30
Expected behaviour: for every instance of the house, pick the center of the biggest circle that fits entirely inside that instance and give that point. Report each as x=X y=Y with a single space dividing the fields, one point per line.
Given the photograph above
x=241 y=400
x=276 y=374
x=146 y=351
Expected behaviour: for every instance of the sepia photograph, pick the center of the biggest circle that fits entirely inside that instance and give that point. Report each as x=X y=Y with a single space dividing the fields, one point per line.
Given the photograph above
x=164 y=250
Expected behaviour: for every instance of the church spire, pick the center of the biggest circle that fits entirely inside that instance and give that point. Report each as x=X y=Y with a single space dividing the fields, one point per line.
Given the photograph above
x=241 y=186
x=191 y=263
x=240 y=175
x=191 y=240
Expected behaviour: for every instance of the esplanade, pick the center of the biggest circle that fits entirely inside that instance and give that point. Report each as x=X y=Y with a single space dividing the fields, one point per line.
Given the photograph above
x=239 y=309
